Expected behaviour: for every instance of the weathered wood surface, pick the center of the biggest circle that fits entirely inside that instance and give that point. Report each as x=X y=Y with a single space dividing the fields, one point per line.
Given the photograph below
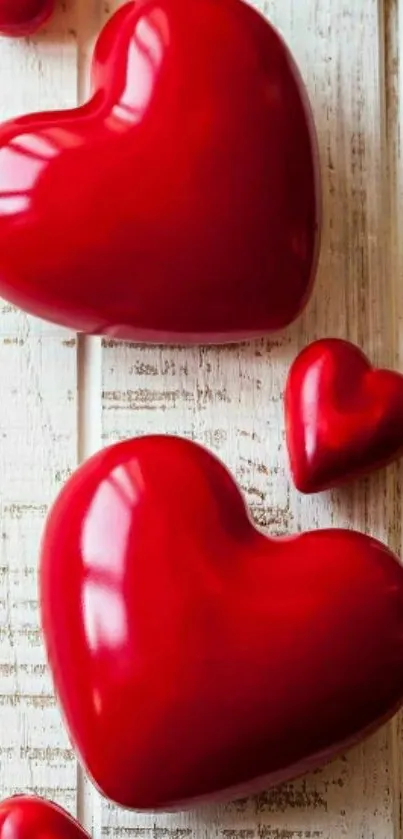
x=38 y=440
x=228 y=398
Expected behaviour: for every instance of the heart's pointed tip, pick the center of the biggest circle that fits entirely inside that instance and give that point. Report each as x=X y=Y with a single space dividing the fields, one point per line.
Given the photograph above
x=309 y=484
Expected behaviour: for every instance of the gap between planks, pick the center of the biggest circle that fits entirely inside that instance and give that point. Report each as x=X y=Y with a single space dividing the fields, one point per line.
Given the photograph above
x=89 y=437
x=89 y=384
x=391 y=14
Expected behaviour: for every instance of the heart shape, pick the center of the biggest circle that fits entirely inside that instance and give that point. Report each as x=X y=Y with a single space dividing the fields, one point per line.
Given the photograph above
x=181 y=202
x=193 y=656
x=344 y=418
x=29 y=817
x=23 y=17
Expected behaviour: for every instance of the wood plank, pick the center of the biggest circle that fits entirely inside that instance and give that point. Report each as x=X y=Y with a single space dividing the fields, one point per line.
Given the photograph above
x=38 y=408
x=393 y=16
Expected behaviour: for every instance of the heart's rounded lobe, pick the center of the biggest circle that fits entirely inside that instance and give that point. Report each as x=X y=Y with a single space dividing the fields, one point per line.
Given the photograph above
x=181 y=203
x=29 y=817
x=193 y=656
x=23 y=17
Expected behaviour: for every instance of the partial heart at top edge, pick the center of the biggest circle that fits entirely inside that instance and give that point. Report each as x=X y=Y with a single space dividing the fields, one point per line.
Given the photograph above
x=19 y=18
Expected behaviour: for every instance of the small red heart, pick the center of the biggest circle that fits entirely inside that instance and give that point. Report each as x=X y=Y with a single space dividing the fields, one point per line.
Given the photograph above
x=179 y=203
x=29 y=817
x=192 y=655
x=344 y=418
x=22 y=17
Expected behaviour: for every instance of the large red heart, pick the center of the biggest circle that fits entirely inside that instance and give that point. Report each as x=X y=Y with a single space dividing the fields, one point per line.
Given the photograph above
x=344 y=418
x=179 y=203
x=22 y=17
x=192 y=655
x=29 y=817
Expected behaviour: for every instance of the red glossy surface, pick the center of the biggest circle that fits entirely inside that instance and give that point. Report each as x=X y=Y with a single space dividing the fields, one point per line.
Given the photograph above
x=195 y=657
x=179 y=203
x=29 y=817
x=23 y=17
x=344 y=418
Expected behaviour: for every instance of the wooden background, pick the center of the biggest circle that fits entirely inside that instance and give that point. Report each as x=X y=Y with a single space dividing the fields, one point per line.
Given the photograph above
x=61 y=399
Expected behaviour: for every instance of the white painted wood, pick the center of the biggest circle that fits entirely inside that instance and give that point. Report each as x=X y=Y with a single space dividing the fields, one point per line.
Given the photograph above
x=228 y=398
x=38 y=407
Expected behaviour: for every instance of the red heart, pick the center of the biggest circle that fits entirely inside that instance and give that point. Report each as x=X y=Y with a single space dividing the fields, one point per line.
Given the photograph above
x=343 y=417
x=29 y=817
x=191 y=654
x=22 y=17
x=180 y=203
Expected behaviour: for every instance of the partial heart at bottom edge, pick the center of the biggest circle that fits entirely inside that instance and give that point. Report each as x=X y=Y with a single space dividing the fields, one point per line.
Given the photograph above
x=31 y=817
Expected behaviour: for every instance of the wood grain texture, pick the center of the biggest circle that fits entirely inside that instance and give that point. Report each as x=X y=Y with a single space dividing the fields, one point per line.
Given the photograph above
x=231 y=398
x=38 y=407
x=227 y=398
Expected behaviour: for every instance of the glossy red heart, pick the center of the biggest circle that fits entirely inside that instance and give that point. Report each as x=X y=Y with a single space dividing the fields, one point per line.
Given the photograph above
x=193 y=656
x=179 y=203
x=344 y=418
x=29 y=817
x=22 y=17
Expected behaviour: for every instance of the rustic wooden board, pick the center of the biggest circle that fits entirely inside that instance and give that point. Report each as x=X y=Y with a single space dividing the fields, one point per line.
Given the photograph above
x=38 y=450
x=227 y=398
